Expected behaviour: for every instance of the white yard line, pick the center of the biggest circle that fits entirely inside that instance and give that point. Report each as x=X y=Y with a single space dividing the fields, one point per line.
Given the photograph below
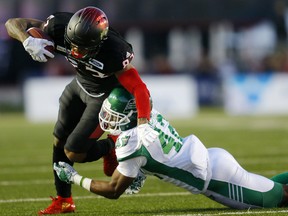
x=150 y=195
x=95 y=197
x=235 y=213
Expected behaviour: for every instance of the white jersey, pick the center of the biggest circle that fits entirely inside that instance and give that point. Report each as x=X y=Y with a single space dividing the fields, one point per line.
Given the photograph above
x=186 y=162
x=181 y=161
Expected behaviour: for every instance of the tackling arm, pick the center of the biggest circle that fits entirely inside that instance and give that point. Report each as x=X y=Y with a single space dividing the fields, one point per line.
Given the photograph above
x=111 y=190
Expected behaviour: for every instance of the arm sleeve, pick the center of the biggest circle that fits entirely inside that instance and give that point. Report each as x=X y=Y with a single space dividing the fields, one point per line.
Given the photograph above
x=131 y=80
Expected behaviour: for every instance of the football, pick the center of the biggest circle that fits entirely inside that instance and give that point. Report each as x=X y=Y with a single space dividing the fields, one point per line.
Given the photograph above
x=38 y=33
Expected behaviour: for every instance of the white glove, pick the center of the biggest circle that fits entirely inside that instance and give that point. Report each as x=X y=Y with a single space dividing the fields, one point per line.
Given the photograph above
x=36 y=48
x=65 y=172
x=146 y=134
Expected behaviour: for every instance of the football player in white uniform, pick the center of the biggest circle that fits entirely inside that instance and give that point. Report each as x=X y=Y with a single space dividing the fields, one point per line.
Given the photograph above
x=185 y=162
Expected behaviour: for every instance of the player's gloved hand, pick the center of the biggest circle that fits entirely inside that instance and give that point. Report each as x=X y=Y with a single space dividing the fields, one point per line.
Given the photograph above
x=146 y=134
x=65 y=172
x=137 y=184
x=36 y=48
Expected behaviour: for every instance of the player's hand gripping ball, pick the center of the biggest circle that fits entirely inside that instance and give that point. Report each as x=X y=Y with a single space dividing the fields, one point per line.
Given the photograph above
x=39 y=45
x=38 y=33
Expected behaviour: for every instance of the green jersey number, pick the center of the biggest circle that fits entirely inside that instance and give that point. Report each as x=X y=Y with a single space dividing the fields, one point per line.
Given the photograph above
x=169 y=139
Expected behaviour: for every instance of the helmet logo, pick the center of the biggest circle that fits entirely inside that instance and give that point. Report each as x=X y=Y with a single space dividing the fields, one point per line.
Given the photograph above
x=122 y=142
x=131 y=105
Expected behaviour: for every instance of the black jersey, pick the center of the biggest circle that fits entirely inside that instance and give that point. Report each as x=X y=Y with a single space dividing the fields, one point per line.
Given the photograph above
x=95 y=74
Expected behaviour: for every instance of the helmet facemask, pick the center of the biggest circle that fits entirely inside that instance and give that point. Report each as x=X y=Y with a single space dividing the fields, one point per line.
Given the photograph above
x=112 y=121
x=82 y=52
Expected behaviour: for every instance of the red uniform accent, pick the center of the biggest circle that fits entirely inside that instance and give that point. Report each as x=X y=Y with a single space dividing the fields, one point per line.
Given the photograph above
x=97 y=133
x=131 y=80
x=110 y=162
x=113 y=137
x=59 y=205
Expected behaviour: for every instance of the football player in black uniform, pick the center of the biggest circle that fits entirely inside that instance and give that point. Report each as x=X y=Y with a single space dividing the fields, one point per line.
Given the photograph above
x=102 y=59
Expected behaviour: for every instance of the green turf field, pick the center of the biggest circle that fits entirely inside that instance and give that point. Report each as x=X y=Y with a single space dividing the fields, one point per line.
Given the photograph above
x=260 y=144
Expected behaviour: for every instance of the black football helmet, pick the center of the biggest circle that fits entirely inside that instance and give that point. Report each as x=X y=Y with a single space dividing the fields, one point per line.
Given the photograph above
x=85 y=32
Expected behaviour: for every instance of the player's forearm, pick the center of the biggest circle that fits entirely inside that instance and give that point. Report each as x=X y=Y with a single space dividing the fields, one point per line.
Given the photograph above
x=105 y=189
x=16 y=27
x=102 y=188
x=131 y=80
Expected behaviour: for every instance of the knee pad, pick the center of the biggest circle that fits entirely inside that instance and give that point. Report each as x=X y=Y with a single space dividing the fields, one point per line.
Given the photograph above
x=58 y=143
x=75 y=157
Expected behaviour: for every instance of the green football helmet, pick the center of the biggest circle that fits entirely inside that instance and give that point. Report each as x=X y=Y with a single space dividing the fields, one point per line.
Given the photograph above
x=118 y=112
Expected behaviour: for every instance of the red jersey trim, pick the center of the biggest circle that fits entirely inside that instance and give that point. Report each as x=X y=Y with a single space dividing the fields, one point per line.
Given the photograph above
x=131 y=80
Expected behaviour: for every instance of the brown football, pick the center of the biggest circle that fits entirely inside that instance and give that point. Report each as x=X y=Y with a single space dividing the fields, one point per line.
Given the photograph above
x=38 y=33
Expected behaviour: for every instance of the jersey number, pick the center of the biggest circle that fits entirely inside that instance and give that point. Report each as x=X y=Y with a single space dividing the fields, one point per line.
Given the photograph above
x=168 y=141
x=127 y=61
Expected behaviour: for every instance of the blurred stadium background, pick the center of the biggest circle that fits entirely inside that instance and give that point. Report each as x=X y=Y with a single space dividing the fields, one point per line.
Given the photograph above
x=229 y=56
x=233 y=53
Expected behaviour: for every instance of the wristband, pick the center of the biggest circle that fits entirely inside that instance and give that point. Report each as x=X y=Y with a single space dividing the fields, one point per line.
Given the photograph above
x=82 y=182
